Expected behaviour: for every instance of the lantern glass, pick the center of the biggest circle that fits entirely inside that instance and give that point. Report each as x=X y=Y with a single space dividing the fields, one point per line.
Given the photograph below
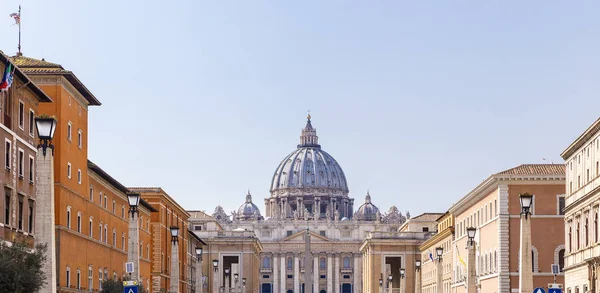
x=199 y=251
x=439 y=251
x=418 y=263
x=380 y=282
x=215 y=263
x=402 y=272
x=471 y=232
x=45 y=127
x=390 y=277
x=174 y=231
x=235 y=277
x=226 y=271
x=134 y=199
x=526 y=200
x=244 y=281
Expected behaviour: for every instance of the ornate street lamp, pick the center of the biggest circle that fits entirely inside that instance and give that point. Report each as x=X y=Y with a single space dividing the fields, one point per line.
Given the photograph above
x=471 y=234
x=402 y=272
x=526 y=201
x=439 y=251
x=215 y=264
x=134 y=200
x=174 y=259
x=380 y=282
x=227 y=271
x=174 y=233
x=46 y=126
x=199 y=253
x=418 y=264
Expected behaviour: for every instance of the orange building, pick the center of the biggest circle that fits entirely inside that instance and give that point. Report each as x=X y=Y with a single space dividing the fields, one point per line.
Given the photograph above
x=18 y=106
x=170 y=213
x=90 y=206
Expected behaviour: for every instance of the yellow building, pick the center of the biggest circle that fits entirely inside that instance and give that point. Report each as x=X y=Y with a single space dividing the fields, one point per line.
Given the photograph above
x=430 y=280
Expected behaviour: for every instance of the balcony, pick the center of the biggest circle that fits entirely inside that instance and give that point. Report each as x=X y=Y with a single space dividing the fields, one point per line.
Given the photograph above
x=265 y=270
x=346 y=270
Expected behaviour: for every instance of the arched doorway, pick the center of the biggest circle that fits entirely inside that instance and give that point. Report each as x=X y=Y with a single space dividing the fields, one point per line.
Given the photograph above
x=346 y=288
x=266 y=288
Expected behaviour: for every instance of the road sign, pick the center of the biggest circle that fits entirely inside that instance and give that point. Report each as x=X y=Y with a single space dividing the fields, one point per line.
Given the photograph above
x=555 y=269
x=555 y=290
x=130 y=283
x=536 y=290
x=130 y=289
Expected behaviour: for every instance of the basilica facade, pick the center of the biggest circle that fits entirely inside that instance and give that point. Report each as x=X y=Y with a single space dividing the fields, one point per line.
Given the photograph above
x=309 y=194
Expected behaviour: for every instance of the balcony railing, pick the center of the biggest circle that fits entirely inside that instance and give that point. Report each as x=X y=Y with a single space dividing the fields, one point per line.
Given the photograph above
x=265 y=270
x=346 y=270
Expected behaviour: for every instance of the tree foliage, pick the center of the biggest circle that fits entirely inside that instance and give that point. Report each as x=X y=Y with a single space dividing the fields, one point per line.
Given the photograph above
x=21 y=267
x=116 y=286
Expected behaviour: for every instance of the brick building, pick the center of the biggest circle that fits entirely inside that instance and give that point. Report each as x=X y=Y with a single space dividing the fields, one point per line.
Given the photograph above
x=18 y=106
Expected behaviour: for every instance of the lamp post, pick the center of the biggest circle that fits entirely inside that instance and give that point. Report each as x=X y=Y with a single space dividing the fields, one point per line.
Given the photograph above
x=390 y=283
x=174 y=260
x=44 y=189
x=243 y=285
x=133 y=254
x=227 y=280
x=471 y=275
x=418 y=276
x=402 y=272
x=439 y=251
x=216 y=284
x=380 y=285
x=525 y=265
x=199 y=269
x=235 y=281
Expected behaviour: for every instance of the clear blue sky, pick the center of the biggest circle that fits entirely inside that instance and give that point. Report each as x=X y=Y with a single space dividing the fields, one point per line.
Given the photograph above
x=418 y=101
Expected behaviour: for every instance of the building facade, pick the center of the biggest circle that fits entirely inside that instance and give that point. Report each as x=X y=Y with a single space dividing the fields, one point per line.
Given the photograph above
x=582 y=256
x=430 y=275
x=169 y=214
x=19 y=106
x=493 y=208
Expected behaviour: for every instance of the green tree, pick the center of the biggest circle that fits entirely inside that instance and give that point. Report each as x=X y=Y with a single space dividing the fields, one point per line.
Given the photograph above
x=116 y=286
x=21 y=267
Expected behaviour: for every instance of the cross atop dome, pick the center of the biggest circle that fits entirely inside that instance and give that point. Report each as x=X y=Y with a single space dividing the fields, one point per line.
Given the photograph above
x=309 y=137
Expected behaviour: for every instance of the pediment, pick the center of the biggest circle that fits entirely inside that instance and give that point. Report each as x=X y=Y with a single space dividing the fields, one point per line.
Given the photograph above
x=299 y=237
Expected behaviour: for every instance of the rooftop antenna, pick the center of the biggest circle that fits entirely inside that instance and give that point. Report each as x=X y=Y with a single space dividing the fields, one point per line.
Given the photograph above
x=17 y=17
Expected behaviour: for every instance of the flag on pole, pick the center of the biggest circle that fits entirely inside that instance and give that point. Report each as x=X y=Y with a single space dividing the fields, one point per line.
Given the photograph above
x=459 y=257
x=17 y=17
x=431 y=256
x=7 y=77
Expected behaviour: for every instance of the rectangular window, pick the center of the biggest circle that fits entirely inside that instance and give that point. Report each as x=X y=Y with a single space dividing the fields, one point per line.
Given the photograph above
x=80 y=138
x=114 y=238
x=21 y=164
x=588 y=175
x=100 y=280
x=31 y=169
x=105 y=201
x=21 y=115
x=7 y=155
x=79 y=222
x=122 y=211
x=561 y=205
x=100 y=198
x=69 y=127
x=105 y=233
x=68 y=277
x=31 y=122
x=78 y=279
x=90 y=279
x=91 y=193
x=114 y=207
x=101 y=232
x=91 y=228
x=69 y=170
x=20 y=211
x=7 y=202
x=31 y=214
x=79 y=176
x=69 y=217
x=578 y=181
x=123 y=241
x=289 y=233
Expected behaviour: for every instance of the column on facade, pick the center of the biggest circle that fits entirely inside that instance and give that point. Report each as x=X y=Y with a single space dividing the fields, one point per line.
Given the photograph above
x=356 y=273
x=315 y=273
x=274 y=273
x=317 y=208
x=282 y=274
x=336 y=273
x=329 y=273
x=296 y=273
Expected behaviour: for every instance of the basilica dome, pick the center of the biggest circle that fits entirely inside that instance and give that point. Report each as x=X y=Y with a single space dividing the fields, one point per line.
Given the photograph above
x=367 y=211
x=248 y=210
x=309 y=167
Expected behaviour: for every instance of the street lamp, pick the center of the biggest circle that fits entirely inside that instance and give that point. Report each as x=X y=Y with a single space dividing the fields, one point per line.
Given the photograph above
x=380 y=285
x=418 y=276
x=227 y=270
x=216 y=284
x=244 y=285
x=525 y=262
x=402 y=272
x=44 y=213
x=235 y=281
x=439 y=251
x=46 y=126
x=215 y=264
x=418 y=264
x=199 y=268
x=133 y=253
x=174 y=259
x=390 y=283
x=471 y=274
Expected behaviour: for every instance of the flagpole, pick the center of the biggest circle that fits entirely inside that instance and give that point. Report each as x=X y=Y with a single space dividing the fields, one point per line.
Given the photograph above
x=19 y=46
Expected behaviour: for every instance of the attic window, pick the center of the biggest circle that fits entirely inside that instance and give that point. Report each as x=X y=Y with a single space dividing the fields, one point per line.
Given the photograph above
x=322 y=233
x=288 y=233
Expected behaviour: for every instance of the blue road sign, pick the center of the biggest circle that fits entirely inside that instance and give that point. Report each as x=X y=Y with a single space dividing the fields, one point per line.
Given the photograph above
x=536 y=290
x=130 y=289
x=554 y=290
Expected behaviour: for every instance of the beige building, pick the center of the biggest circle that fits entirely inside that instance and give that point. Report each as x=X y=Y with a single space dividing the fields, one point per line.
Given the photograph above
x=582 y=257
x=493 y=207
x=429 y=263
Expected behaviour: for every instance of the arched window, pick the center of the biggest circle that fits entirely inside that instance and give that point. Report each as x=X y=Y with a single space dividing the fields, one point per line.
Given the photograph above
x=596 y=227
x=322 y=262
x=561 y=259
x=578 y=237
x=570 y=240
x=346 y=262
x=266 y=262
x=533 y=260
x=290 y=264
x=586 y=231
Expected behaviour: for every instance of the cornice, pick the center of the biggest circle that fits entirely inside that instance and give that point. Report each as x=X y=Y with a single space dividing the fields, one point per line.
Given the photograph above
x=581 y=140
x=62 y=81
x=436 y=238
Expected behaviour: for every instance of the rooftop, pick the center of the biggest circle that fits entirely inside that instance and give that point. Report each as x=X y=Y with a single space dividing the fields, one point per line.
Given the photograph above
x=32 y=66
x=535 y=169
